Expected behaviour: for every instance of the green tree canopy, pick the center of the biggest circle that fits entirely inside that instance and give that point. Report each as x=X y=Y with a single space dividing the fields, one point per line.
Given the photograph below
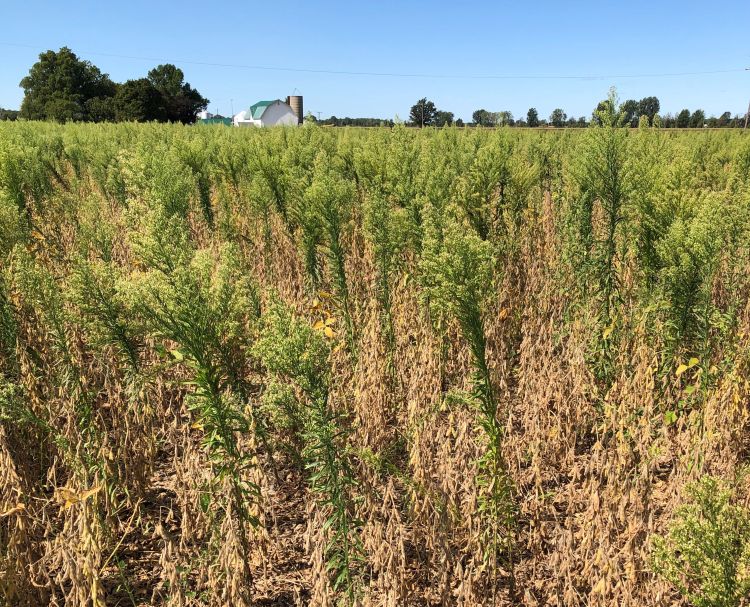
x=558 y=117
x=630 y=112
x=138 y=100
x=698 y=119
x=648 y=106
x=483 y=118
x=423 y=112
x=8 y=114
x=504 y=118
x=442 y=118
x=682 y=121
x=62 y=87
x=532 y=117
x=180 y=102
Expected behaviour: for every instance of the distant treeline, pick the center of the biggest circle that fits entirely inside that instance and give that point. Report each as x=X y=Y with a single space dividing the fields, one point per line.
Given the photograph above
x=630 y=113
x=8 y=114
x=63 y=88
x=334 y=121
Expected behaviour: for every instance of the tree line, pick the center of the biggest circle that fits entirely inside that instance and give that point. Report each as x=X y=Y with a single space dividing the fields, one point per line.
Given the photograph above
x=334 y=121
x=425 y=113
x=64 y=88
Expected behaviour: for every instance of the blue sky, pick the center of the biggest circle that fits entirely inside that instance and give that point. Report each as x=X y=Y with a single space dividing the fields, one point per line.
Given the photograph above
x=541 y=41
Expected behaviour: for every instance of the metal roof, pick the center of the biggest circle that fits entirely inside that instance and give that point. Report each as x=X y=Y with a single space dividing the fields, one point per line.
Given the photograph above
x=256 y=110
x=215 y=120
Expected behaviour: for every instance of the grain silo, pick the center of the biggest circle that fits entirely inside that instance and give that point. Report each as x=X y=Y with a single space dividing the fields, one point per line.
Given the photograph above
x=295 y=102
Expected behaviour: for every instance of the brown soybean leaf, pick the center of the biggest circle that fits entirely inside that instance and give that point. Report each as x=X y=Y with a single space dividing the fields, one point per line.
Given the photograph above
x=89 y=492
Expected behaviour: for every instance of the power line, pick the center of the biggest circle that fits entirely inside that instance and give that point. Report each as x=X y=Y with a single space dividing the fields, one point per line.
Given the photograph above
x=397 y=74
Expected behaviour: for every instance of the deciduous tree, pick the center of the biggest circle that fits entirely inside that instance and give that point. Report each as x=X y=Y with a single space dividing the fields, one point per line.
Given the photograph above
x=423 y=112
x=698 y=119
x=682 y=121
x=138 y=100
x=482 y=118
x=61 y=87
x=443 y=118
x=558 y=117
x=504 y=118
x=630 y=112
x=180 y=102
x=532 y=117
x=648 y=106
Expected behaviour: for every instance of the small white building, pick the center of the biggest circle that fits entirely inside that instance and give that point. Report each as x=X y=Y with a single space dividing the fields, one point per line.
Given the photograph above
x=267 y=113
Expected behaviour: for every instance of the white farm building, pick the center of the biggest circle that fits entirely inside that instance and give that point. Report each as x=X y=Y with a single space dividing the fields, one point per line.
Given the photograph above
x=271 y=113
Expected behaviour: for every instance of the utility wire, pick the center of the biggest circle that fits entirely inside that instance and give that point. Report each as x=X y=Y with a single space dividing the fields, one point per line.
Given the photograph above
x=397 y=74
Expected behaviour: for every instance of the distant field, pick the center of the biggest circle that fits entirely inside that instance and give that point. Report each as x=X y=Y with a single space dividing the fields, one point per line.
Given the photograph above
x=370 y=366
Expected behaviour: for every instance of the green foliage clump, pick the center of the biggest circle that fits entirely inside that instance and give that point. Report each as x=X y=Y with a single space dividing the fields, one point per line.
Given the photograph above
x=689 y=254
x=12 y=225
x=705 y=554
x=297 y=354
x=457 y=269
x=94 y=289
x=386 y=228
x=602 y=173
x=328 y=200
x=203 y=307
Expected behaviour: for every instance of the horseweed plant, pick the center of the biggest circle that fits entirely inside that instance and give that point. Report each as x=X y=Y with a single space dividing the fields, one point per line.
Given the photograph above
x=604 y=181
x=457 y=272
x=206 y=305
x=296 y=353
x=329 y=197
x=387 y=231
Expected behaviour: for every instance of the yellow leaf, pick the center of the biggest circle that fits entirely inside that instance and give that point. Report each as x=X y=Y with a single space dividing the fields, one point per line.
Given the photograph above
x=600 y=587
x=324 y=294
x=330 y=321
x=681 y=369
x=17 y=508
x=318 y=326
x=70 y=498
x=66 y=496
x=692 y=362
x=608 y=331
x=328 y=332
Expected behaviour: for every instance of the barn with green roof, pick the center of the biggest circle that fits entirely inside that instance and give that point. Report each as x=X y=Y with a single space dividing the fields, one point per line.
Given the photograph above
x=274 y=112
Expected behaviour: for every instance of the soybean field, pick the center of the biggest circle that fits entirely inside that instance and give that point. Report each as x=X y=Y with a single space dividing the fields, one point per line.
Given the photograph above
x=374 y=367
